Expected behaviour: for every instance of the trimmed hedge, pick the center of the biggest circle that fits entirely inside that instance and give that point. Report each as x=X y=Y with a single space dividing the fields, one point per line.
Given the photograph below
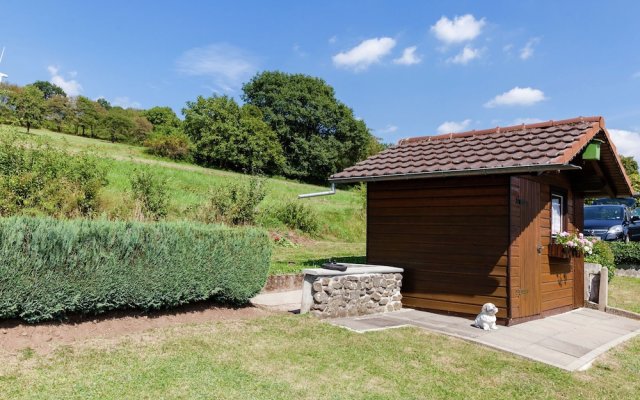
x=49 y=268
x=626 y=253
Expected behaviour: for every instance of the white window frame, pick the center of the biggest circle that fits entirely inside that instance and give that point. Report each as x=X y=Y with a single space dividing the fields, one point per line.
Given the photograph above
x=561 y=216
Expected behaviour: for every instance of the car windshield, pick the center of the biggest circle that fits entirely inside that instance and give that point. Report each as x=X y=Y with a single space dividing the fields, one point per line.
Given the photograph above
x=636 y=212
x=604 y=213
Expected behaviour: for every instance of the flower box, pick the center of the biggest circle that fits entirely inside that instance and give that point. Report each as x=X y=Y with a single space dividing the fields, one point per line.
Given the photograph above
x=556 y=250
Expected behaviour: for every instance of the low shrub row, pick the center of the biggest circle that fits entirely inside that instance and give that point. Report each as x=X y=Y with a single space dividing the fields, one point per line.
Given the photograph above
x=603 y=255
x=626 y=253
x=49 y=268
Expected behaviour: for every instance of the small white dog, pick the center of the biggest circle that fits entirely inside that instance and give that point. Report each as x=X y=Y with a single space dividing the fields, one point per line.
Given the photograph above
x=487 y=318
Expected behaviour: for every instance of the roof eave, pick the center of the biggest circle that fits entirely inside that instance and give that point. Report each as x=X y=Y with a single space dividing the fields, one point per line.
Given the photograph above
x=465 y=172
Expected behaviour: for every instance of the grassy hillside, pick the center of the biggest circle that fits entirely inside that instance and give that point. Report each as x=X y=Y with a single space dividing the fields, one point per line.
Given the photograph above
x=342 y=231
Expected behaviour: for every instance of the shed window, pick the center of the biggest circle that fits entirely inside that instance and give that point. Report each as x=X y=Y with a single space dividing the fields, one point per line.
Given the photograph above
x=557 y=214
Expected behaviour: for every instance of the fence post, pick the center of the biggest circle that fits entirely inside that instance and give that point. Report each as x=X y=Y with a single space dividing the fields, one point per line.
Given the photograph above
x=604 y=289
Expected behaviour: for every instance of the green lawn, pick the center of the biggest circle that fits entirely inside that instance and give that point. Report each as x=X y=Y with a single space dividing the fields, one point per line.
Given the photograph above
x=624 y=293
x=298 y=357
x=343 y=227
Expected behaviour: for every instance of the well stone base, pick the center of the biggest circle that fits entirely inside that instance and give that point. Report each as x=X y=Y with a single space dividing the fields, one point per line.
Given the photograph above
x=358 y=291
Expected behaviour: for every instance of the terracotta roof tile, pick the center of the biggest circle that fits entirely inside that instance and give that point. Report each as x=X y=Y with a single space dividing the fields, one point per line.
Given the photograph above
x=549 y=143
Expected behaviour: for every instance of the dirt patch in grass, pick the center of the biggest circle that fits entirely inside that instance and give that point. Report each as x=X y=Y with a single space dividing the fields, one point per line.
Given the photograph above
x=17 y=337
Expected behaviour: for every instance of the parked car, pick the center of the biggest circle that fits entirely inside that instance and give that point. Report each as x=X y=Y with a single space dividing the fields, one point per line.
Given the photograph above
x=611 y=222
x=626 y=201
x=634 y=228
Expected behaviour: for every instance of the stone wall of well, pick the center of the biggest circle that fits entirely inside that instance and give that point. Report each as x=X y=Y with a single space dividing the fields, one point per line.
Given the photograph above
x=352 y=295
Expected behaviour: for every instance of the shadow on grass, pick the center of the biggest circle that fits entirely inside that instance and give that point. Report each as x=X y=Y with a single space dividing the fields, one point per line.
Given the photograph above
x=75 y=318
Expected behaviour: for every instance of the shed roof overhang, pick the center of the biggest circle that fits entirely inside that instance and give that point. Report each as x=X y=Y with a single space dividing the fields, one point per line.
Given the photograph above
x=564 y=140
x=467 y=172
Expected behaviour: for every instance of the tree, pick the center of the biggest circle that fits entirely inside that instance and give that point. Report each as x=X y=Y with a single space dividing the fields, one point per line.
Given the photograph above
x=631 y=168
x=29 y=106
x=318 y=133
x=228 y=136
x=162 y=116
x=118 y=124
x=87 y=114
x=141 y=128
x=7 y=110
x=58 y=111
x=49 y=89
x=630 y=165
x=104 y=103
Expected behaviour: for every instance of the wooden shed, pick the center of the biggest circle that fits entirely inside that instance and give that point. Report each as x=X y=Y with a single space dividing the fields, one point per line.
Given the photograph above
x=471 y=216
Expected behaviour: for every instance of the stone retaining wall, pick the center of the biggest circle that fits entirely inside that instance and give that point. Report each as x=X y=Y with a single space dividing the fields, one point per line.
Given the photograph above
x=632 y=273
x=351 y=295
x=281 y=283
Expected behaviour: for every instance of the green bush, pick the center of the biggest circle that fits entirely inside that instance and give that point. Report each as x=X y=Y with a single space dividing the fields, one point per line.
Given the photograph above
x=174 y=144
x=297 y=215
x=626 y=253
x=603 y=255
x=37 y=179
x=235 y=203
x=151 y=192
x=50 y=268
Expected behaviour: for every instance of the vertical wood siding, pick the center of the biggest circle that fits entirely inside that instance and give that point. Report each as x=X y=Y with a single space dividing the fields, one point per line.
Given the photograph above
x=557 y=289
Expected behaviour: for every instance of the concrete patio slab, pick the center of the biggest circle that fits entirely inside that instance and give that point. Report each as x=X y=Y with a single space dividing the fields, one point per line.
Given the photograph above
x=571 y=341
x=288 y=301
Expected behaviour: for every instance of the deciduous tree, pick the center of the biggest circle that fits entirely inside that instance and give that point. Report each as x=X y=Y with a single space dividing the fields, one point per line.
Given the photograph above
x=228 y=136
x=318 y=133
x=162 y=116
x=58 y=111
x=49 y=89
x=29 y=106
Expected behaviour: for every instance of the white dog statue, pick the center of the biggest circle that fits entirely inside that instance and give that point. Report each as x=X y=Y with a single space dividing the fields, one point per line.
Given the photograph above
x=487 y=318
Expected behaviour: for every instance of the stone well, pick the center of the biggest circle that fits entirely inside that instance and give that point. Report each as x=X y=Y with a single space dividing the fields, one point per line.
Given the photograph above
x=360 y=290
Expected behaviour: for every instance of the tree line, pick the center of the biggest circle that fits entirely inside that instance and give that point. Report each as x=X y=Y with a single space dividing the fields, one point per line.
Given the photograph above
x=290 y=125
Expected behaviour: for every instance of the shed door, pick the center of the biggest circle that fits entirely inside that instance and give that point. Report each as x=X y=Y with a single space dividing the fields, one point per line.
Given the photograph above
x=531 y=244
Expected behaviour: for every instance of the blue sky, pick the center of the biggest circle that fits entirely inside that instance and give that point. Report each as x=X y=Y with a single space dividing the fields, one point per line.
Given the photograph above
x=407 y=68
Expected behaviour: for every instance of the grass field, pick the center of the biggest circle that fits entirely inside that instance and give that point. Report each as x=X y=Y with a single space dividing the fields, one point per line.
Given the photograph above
x=343 y=227
x=298 y=357
x=624 y=293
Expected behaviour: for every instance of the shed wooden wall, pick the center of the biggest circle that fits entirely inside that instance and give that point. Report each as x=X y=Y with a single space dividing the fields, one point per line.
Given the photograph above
x=451 y=236
x=559 y=290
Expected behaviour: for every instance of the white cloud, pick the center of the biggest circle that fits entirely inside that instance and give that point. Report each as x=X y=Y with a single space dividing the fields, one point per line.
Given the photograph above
x=527 y=51
x=70 y=86
x=467 y=54
x=507 y=48
x=526 y=121
x=454 y=126
x=125 y=102
x=368 y=52
x=517 y=97
x=388 y=129
x=333 y=39
x=458 y=30
x=636 y=75
x=298 y=50
x=227 y=65
x=626 y=142
x=409 y=57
